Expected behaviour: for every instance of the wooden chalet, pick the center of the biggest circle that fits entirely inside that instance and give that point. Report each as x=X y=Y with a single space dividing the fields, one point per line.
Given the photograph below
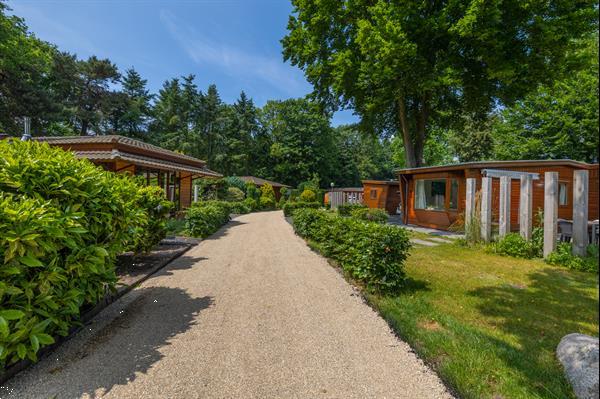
x=383 y=194
x=435 y=196
x=258 y=182
x=172 y=171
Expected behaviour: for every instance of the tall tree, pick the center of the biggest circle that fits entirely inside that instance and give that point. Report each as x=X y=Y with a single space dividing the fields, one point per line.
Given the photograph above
x=402 y=65
x=134 y=121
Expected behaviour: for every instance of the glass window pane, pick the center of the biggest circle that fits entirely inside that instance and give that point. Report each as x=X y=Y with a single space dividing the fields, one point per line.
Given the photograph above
x=562 y=194
x=453 y=203
x=430 y=194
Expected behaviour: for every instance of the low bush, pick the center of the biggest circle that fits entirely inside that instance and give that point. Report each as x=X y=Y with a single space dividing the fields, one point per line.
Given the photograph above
x=63 y=221
x=371 y=253
x=152 y=200
x=234 y=194
x=370 y=214
x=307 y=196
x=251 y=204
x=206 y=217
x=514 y=245
x=346 y=209
x=267 y=197
x=563 y=256
x=289 y=207
x=267 y=203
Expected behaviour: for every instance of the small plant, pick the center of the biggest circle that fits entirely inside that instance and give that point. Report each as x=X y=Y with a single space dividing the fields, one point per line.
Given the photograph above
x=267 y=197
x=307 y=196
x=267 y=203
x=252 y=191
x=205 y=218
x=234 y=194
x=251 y=204
x=346 y=209
x=563 y=256
x=514 y=245
x=371 y=215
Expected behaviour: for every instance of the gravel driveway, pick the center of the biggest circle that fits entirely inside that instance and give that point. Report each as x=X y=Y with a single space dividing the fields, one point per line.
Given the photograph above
x=251 y=312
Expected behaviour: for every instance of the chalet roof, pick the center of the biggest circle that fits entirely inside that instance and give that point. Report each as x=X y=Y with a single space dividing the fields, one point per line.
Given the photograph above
x=122 y=141
x=114 y=147
x=259 y=182
x=114 y=155
x=498 y=164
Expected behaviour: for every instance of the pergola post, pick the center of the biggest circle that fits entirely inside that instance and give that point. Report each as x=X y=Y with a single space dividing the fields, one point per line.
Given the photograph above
x=486 y=209
x=504 y=205
x=470 y=202
x=550 y=212
x=580 y=212
x=526 y=206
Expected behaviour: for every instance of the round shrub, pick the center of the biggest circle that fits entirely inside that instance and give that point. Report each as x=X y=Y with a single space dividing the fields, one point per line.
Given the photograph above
x=514 y=245
x=346 y=209
x=289 y=207
x=152 y=200
x=307 y=196
x=235 y=181
x=563 y=256
x=251 y=204
x=63 y=221
x=234 y=194
x=267 y=203
x=204 y=218
x=370 y=215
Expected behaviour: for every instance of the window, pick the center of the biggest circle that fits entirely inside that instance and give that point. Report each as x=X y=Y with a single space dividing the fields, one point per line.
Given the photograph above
x=430 y=194
x=563 y=198
x=453 y=202
x=373 y=193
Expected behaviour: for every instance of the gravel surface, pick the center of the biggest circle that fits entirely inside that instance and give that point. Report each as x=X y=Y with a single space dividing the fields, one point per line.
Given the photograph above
x=251 y=312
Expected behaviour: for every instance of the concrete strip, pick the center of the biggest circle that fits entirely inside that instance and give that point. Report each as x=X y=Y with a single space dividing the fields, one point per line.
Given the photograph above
x=250 y=313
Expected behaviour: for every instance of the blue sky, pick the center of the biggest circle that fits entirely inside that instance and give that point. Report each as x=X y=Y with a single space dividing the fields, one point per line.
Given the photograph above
x=232 y=43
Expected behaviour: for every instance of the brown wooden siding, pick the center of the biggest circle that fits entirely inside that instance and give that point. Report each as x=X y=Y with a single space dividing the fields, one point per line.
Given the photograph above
x=386 y=196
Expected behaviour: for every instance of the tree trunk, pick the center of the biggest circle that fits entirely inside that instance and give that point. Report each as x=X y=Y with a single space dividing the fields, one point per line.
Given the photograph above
x=409 y=148
x=84 y=127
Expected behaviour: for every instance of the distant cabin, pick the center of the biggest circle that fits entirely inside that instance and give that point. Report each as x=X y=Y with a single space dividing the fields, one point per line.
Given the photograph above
x=258 y=182
x=434 y=196
x=172 y=171
x=383 y=194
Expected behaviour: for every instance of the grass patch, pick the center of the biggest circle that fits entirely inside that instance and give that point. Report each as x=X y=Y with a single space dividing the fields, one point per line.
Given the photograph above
x=490 y=324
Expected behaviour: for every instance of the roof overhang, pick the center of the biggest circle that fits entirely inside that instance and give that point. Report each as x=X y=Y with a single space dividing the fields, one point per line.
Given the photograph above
x=497 y=164
x=114 y=155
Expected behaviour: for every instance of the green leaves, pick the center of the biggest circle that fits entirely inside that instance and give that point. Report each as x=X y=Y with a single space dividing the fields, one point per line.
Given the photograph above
x=11 y=314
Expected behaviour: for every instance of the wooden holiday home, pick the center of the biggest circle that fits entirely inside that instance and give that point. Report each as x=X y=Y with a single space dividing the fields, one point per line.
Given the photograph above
x=383 y=194
x=172 y=171
x=258 y=182
x=435 y=196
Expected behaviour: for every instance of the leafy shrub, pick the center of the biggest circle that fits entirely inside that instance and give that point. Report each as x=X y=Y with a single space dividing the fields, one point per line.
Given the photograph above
x=369 y=252
x=251 y=204
x=152 y=200
x=308 y=196
x=210 y=188
x=205 y=218
x=514 y=245
x=252 y=191
x=563 y=256
x=267 y=196
x=290 y=207
x=234 y=181
x=234 y=194
x=281 y=202
x=370 y=214
x=346 y=209
x=63 y=221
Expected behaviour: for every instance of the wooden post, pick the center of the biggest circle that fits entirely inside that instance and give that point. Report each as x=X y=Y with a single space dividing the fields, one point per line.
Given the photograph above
x=550 y=211
x=580 y=212
x=486 y=209
x=470 y=202
x=504 y=205
x=195 y=193
x=526 y=206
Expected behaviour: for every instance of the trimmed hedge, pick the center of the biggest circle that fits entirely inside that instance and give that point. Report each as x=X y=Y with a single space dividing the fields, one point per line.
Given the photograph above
x=290 y=207
x=63 y=221
x=370 y=215
x=346 y=209
x=369 y=252
x=206 y=217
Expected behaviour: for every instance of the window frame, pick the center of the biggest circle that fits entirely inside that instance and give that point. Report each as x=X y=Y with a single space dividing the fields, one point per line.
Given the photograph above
x=446 y=186
x=373 y=194
x=566 y=185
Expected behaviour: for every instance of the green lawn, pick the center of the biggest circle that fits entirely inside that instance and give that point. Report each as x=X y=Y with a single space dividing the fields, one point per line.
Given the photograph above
x=490 y=324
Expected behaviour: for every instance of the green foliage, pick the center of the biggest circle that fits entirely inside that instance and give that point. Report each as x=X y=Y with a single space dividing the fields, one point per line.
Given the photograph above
x=514 y=245
x=63 y=221
x=563 y=256
x=234 y=181
x=204 y=218
x=210 y=188
x=267 y=197
x=251 y=204
x=289 y=207
x=235 y=194
x=370 y=215
x=307 y=196
x=157 y=208
x=404 y=66
x=371 y=253
x=346 y=209
x=252 y=191
x=267 y=203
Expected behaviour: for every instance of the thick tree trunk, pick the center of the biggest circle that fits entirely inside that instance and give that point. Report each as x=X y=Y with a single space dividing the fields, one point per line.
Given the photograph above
x=409 y=148
x=84 y=127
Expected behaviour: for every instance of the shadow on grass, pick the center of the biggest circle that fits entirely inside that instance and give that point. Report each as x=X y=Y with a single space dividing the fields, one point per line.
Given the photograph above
x=555 y=303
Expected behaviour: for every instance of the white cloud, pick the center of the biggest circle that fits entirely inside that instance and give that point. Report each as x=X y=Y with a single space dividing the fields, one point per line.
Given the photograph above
x=234 y=61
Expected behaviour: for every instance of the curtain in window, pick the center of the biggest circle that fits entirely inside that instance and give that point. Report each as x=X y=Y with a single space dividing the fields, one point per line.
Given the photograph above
x=420 y=200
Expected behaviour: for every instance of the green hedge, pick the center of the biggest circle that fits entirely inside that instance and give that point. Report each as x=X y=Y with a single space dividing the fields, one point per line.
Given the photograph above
x=63 y=221
x=346 y=209
x=290 y=207
x=205 y=218
x=370 y=214
x=369 y=252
